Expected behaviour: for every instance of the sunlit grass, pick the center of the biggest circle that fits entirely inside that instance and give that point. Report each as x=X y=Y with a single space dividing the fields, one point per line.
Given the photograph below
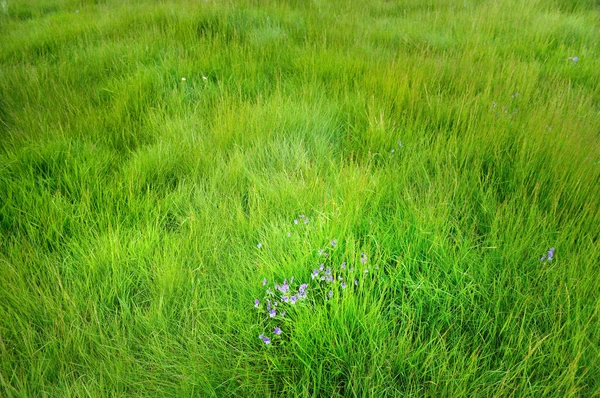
x=147 y=148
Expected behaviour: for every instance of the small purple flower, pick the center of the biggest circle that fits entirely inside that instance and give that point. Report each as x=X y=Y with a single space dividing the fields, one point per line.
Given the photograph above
x=328 y=271
x=293 y=300
x=329 y=278
x=334 y=243
x=550 y=254
x=363 y=258
x=343 y=266
x=321 y=267
x=285 y=299
x=264 y=338
x=264 y=281
x=277 y=331
x=296 y=221
x=272 y=313
x=330 y=293
x=302 y=288
x=289 y=234
x=259 y=245
x=343 y=285
x=256 y=303
x=306 y=220
x=282 y=314
x=314 y=274
x=320 y=252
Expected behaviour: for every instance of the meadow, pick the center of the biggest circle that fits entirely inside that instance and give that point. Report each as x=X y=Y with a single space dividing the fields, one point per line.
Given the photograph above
x=167 y=168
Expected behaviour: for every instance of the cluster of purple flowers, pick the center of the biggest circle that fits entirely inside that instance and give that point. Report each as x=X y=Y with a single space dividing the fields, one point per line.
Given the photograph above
x=548 y=256
x=284 y=297
x=277 y=300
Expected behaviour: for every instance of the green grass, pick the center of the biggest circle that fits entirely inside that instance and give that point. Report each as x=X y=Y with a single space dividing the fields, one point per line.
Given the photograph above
x=132 y=202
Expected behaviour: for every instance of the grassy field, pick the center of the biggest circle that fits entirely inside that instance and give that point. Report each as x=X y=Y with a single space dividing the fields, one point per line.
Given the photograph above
x=166 y=168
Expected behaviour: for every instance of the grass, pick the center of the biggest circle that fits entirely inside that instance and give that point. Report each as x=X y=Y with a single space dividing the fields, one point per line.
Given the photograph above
x=132 y=201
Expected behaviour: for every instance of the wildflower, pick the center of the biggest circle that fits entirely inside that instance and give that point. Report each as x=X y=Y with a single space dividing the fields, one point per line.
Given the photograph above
x=293 y=300
x=320 y=252
x=296 y=221
x=334 y=242
x=330 y=293
x=321 y=267
x=256 y=303
x=272 y=313
x=343 y=285
x=343 y=266
x=277 y=331
x=314 y=274
x=265 y=339
x=328 y=271
x=282 y=314
x=289 y=234
x=393 y=150
x=183 y=79
x=264 y=281
x=363 y=258
x=355 y=282
x=550 y=254
x=365 y=271
x=285 y=299
x=306 y=220
x=268 y=305
x=204 y=78
x=302 y=288
x=259 y=245
x=283 y=288
x=302 y=216
x=329 y=278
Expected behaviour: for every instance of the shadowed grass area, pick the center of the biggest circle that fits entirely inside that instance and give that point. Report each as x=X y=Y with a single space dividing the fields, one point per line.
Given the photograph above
x=147 y=150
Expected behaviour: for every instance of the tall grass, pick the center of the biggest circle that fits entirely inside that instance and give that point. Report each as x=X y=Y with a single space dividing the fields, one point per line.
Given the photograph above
x=132 y=200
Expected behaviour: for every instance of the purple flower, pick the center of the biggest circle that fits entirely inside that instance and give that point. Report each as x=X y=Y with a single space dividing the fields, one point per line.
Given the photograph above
x=330 y=293
x=289 y=234
x=268 y=305
x=259 y=245
x=314 y=274
x=296 y=221
x=285 y=299
x=282 y=314
x=329 y=278
x=306 y=220
x=321 y=267
x=343 y=266
x=550 y=254
x=320 y=252
x=283 y=288
x=293 y=299
x=272 y=313
x=264 y=281
x=302 y=288
x=265 y=339
x=256 y=303
x=334 y=242
x=363 y=258
x=343 y=285
x=277 y=331
x=328 y=271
